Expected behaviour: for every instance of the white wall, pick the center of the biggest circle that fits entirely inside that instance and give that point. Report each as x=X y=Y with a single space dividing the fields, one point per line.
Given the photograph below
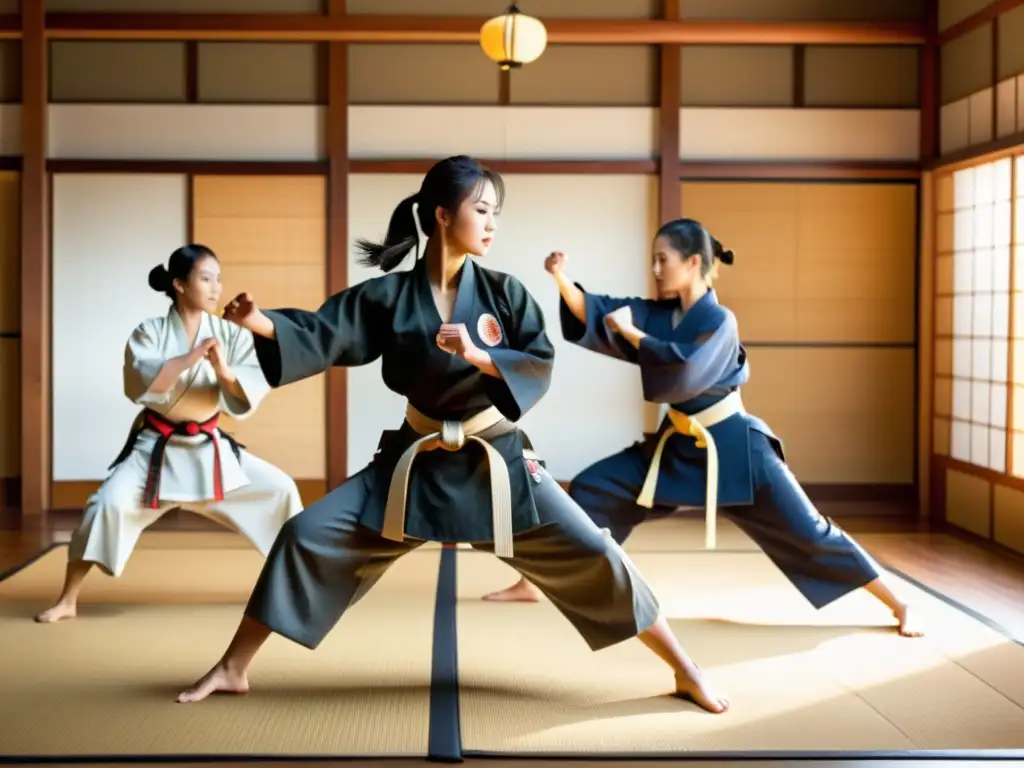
x=109 y=231
x=605 y=223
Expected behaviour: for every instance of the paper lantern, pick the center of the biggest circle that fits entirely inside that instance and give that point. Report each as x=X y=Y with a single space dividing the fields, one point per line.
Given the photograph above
x=513 y=39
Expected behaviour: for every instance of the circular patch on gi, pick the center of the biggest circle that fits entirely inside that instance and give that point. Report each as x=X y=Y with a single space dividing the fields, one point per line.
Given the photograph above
x=488 y=330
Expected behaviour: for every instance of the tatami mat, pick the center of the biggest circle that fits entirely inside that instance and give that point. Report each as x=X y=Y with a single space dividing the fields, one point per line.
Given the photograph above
x=799 y=680
x=106 y=683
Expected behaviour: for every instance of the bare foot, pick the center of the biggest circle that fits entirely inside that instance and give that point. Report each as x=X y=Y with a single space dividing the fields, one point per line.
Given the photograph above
x=690 y=686
x=520 y=592
x=909 y=622
x=60 y=611
x=220 y=679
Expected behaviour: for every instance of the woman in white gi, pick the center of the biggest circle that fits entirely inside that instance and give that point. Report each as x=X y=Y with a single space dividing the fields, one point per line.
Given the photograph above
x=184 y=369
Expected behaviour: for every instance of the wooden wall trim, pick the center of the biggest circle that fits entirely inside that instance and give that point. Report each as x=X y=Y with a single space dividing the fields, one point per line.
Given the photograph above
x=987 y=14
x=35 y=273
x=422 y=165
x=979 y=153
x=669 y=102
x=337 y=241
x=687 y=170
x=781 y=171
x=197 y=167
x=366 y=28
x=10 y=163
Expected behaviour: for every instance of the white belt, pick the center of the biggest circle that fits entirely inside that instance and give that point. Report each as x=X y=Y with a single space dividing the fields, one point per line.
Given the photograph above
x=452 y=436
x=696 y=426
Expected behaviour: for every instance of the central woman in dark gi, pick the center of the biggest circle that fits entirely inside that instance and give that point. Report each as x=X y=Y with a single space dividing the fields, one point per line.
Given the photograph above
x=468 y=349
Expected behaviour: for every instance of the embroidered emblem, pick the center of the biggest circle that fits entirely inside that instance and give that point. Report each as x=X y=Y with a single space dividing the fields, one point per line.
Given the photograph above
x=533 y=467
x=488 y=330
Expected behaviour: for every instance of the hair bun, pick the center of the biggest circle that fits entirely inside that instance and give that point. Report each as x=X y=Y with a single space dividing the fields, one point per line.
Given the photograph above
x=160 y=279
x=727 y=257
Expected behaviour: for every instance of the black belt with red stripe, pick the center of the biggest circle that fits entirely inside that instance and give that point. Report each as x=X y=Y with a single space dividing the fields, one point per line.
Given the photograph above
x=166 y=429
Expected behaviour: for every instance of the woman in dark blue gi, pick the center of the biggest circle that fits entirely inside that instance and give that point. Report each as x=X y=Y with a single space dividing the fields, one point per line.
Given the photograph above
x=467 y=347
x=708 y=448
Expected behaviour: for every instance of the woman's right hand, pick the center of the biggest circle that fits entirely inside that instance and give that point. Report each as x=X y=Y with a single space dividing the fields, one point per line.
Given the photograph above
x=554 y=262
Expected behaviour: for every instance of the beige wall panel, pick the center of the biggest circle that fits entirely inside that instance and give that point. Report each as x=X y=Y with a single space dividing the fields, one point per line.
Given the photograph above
x=1006 y=107
x=10 y=71
x=748 y=133
x=10 y=408
x=591 y=75
x=1008 y=517
x=954 y=11
x=968 y=502
x=188 y=6
x=109 y=231
x=848 y=288
x=264 y=132
x=269 y=234
x=861 y=76
x=260 y=72
x=804 y=271
x=534 y=133
x=736 y=75
x=117 y=70
x=1011 y=43
x=981 y=126
x=564 y=9
x=777 y=10
x=966 y=64
x=10 y=252
x=955 y=126
x=409 y=73
x=761 y=288
x=844 y=415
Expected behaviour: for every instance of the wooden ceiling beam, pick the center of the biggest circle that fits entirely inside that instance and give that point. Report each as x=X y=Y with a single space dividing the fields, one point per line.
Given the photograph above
x=452 y=29
x=979 y=19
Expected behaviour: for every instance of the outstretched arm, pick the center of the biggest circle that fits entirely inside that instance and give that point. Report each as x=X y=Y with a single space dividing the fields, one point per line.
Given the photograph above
x=675 y=373
x=347 y=330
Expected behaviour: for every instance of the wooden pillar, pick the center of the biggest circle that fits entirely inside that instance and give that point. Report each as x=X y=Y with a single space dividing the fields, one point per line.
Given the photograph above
x=928 y=100
x=337 y=241
x=669 y=199
x=35 y=272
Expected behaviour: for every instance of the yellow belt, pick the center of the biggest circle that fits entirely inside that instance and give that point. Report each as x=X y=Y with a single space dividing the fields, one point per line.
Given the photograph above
x=452 y=436
x=696 y=426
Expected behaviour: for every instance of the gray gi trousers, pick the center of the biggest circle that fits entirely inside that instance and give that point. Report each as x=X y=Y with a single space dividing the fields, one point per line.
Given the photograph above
x=323 y=562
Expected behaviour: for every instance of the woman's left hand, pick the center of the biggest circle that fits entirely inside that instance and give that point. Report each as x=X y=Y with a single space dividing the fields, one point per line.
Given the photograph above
x=454 y=339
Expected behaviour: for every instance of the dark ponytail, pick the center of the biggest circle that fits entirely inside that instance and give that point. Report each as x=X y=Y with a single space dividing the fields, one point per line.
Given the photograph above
x=448 y=184
x=724 y=256
x=180 y=266
x=401 y=238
